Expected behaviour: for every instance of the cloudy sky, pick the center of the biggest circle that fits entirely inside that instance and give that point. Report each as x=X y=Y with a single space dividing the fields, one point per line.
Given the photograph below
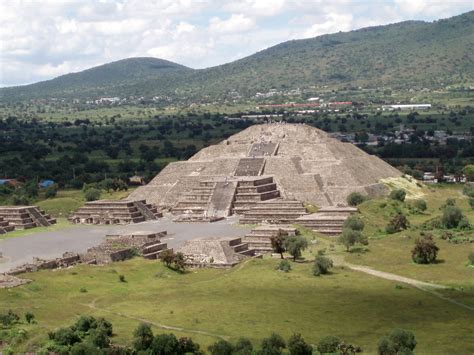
x=41 y=39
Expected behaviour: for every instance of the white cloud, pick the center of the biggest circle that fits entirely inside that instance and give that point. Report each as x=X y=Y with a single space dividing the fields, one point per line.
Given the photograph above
x=332 y=23
x=236 y=23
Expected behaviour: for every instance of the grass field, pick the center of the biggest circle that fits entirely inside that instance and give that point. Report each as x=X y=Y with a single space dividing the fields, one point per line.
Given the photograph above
x=251 y=300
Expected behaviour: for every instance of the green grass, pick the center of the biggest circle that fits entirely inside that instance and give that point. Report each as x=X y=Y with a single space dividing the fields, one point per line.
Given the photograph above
x=251 y=300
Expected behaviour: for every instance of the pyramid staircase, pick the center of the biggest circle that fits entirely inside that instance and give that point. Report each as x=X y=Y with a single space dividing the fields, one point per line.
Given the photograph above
x=208 y=202
x=259 y=239
x=115 y=212
x=252 y=191
x=250 y=167
x=277 y=211
x=5 y=226
x=327 y=221
x=241 y=247
x=25 y=217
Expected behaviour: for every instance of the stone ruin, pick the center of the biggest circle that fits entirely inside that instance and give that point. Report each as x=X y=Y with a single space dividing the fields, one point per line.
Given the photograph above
x=327 y=221
x=115 y=212
x=259 y=238
x=114 y=248
x=292 y=162
x=215 y=252
x=23 y=217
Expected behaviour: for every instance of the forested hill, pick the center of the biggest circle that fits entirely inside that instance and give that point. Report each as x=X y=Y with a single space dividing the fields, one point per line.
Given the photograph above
x=412 y=53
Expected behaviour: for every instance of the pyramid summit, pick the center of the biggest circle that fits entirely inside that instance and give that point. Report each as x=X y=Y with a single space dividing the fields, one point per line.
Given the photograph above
x=264 y=162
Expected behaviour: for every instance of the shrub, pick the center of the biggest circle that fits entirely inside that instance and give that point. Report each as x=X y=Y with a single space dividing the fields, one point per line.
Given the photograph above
x=328 y=344
x=179 y=261
x=398 y=195
x=350 y=237
x=355 y=223
x=420 y=205
x=221 y=347
x=471 y=258
x=65 y=336
x=464 y=223
x=355 y=198
x=98 y=338
x=142 y=337
x=122 y=278
x=278 y=244
x=468 y=190
x=273 y=344
x=83 y=349
x=187 y=345
x=284 y=265
x=92 y=194
x=471 y=202
x=450 y=202
x=321 y=265
x=9 y=318
x=167 y=257
x=164 y=344
x=51 y=191
x=29 y=317
x=295 y=245
x=399 y=341
x=425 y=250
x=397 y=224
x=243 y=346
x=297 y=345
x=452 y=215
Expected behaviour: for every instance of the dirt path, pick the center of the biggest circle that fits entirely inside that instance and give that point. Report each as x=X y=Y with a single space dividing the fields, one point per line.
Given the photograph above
x=421 y=285
x=155 y=324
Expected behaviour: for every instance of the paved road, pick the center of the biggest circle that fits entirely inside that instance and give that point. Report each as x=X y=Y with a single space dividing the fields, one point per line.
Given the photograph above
x=78 y=238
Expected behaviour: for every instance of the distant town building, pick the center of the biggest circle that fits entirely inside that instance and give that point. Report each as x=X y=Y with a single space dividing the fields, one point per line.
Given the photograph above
x=407 y=107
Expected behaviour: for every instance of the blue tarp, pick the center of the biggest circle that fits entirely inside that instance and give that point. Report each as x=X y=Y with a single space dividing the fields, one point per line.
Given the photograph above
x=46 y=183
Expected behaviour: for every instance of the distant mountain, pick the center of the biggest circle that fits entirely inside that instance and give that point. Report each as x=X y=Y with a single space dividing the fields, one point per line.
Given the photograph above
x=411 y=53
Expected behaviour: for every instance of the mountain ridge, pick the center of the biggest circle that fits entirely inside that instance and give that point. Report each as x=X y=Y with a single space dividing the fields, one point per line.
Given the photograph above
x=400 y=54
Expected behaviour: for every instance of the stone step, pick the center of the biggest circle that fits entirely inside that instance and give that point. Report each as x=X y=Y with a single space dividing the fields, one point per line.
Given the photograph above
x=328 y=232
x=155 y=254
x=240 y=247
x=256 y=182
x=258 y=188
x=257 y=196
x=154 y=247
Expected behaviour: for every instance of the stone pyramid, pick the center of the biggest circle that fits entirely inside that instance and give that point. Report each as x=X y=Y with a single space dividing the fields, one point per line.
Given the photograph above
x=267 y=161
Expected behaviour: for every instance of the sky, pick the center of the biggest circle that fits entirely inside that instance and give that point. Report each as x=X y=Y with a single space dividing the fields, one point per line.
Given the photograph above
x=42 y=39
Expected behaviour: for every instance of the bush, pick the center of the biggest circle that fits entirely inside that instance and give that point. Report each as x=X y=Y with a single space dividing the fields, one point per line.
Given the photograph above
x=397 y=224
x=328 y=344
x=221 y=347
x=471 y=202
x=142 y=337
x=468 y=190
x=398 y=195
x=420 y=205
x=164 y=344
x=92 y=194
x=450 y=202
x=321 y=265
x=273 y=344
x=452 y=215
x=51 y=191
x=350 y=237
x=471 y=258
x=243 y=346
x=354 y=223
x=399 y=341
x=65 y=336
x=122 y=278
x=284 y=265
x=425 y=250
x=464 y=224
x=297 y=345
x=295 y=246
x=187 y=345
x=167 y=257
x=98 y=338
x=84 y=349
x=29 y=317
x=9 y=318
x=355 y=198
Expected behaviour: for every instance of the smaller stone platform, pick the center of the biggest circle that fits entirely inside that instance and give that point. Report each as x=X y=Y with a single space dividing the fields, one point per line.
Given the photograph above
x=259 y=239
x=115 y=212
x=24 y=217
x=215 y=252
x=5 y=226
x=276 y=211
x=327 y=221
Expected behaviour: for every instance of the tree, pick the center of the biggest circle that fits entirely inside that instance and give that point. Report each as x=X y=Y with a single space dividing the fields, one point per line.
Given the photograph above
x=328 y=344
x=98 y=338
x=188 y=346
x=399 y=341
x=355 y=223
x=420 y=205
x=350 y=237
x=272 y=345
x=397 y=224
x=278 y=244
x=51 y=191
x=297 y=345
x=452 y=215
x=165 y=344
x=398 y=195
x=355 y=198
x=92 y=194
x=469 y=172
x=179 y=261
x=221 y=347
x=425 y=250
x=321 y=266
x=167 y=257
x=295 y=245
x=65 y=336
x=243 y=346
x=84 y=349
x=29 y=317
x=142 y=337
